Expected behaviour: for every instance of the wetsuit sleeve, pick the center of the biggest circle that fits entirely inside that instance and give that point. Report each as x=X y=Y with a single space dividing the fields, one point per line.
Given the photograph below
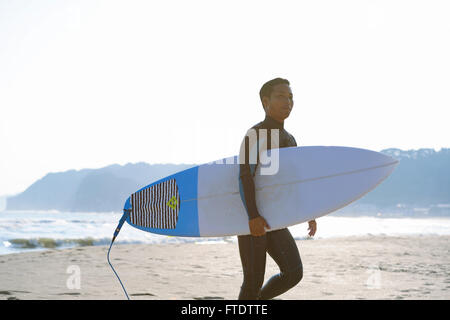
x=247 y=191
x=246 y=182
x=294 y=142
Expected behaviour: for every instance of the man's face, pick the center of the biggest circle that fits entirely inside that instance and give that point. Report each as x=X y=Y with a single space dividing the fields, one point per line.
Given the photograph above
x=280 y=103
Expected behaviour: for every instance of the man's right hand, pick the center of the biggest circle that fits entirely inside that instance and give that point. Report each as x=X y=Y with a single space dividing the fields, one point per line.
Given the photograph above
x=257 y=226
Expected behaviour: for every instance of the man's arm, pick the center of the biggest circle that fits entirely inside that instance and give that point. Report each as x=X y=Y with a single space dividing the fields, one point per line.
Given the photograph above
x=247 y=190
x=246 y=183
x=257 y=223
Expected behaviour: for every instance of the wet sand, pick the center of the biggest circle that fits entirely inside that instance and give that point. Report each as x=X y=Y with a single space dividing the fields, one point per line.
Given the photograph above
x=371 y=267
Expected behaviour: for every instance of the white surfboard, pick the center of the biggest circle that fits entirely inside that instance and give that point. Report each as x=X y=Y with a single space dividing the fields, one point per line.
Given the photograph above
x=204 y=201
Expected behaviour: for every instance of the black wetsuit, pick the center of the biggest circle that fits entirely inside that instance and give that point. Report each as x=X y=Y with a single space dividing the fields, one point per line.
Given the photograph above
x=279 y=243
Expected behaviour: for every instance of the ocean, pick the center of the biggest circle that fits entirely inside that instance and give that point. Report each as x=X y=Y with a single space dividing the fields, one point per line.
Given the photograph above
x=22 y=231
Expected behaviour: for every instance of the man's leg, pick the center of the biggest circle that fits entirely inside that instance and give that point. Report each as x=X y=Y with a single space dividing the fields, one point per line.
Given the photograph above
x=282 y=248
x=253 y=257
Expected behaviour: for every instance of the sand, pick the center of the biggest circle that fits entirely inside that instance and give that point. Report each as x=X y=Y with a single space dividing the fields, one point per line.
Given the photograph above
x=371 y=267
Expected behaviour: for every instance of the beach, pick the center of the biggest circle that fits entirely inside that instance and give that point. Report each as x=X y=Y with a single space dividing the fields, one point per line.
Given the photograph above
x=360 y=267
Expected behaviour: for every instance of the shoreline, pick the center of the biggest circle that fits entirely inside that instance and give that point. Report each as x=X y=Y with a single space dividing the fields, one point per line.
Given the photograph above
x=355 y=267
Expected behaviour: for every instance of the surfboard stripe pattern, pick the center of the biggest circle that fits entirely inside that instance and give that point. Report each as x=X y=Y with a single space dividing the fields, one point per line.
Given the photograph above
x=156 y=206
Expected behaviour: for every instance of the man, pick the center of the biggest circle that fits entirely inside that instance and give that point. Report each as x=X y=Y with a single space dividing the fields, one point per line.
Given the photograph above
x=277 y=99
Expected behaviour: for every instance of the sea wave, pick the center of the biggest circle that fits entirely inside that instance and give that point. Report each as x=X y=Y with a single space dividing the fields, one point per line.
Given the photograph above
x=28 y=244
x=25 y=231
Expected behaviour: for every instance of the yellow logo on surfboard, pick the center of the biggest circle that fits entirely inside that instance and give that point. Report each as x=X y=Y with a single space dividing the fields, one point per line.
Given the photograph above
x=172 y=202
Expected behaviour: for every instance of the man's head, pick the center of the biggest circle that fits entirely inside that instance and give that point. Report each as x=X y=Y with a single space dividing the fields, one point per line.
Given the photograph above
x=277 y=99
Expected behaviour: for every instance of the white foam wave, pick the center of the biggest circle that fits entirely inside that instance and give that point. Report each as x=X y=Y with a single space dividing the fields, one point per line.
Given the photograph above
x=69 y=229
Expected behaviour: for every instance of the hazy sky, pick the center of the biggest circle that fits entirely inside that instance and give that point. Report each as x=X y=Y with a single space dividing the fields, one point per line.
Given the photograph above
x=85 y=84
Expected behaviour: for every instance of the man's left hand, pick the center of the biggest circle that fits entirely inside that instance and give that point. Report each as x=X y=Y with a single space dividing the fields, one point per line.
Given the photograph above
x=312 y=228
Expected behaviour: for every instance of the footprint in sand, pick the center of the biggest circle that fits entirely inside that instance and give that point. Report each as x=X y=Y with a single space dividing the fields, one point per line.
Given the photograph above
x=8 y=293
x=209 y=298
x=141 y=294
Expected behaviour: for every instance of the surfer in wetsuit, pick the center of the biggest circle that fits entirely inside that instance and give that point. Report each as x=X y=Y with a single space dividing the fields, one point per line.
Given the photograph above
x=277 y=99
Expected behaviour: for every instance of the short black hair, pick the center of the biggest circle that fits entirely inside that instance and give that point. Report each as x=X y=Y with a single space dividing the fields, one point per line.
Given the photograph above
x=267 y=88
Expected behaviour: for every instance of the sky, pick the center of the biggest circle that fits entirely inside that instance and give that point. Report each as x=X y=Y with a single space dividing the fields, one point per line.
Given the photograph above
x=86 y=84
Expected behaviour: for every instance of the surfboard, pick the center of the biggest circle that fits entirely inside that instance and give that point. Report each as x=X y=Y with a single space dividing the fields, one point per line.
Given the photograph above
x=204 y=201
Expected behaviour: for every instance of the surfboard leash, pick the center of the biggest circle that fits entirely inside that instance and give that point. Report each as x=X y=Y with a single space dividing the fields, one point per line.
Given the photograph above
x=116 y=232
